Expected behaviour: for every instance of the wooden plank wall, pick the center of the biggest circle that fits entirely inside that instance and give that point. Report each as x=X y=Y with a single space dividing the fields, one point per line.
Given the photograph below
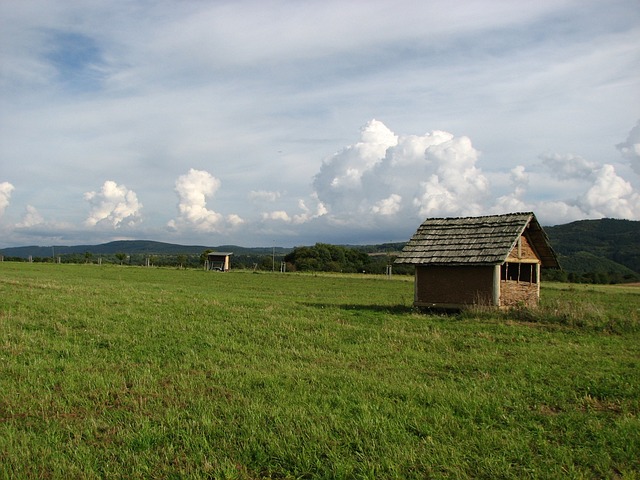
x=454 y=285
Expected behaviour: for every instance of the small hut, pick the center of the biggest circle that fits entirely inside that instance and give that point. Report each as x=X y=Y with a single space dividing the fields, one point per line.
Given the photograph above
x=490 y=260
x=219 y=261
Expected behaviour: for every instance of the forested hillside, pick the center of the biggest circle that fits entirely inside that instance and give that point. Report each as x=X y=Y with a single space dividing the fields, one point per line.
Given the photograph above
x=598 y=251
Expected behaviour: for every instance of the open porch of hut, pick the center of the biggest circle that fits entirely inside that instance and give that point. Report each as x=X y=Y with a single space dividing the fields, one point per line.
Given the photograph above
x=218 y=261
x=490 y=260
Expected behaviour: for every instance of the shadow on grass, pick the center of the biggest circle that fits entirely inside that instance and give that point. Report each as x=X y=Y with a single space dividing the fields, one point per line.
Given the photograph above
x=392 y=309
x=567 y=313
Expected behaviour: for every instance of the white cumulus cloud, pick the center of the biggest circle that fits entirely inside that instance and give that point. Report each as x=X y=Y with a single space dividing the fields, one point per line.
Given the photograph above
x=5 y=195
x=388 y=206
x=513 y=201
x=234 y=220
x=340 y=184
x=193 y=189
x=610 y=196
x=455 y=186
x=519 y=177
x=277 y=215
x=603 y=193
x=436 y=173
x=307 y=213
x=30 y=218
x=114 y=204
x=387 y=177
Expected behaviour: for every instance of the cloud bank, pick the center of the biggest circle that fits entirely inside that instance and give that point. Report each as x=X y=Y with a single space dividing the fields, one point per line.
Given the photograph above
x=385 y=174
x=381 y=185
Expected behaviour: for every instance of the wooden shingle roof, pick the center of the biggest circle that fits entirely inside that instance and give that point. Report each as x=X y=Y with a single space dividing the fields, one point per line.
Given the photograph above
x=475 y=240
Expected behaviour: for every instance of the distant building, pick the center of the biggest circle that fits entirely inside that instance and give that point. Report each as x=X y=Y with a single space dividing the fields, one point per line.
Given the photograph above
x=219 y=261
x=491 y=260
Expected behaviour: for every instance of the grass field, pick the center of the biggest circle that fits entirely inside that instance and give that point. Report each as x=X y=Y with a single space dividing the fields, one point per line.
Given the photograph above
x=127 y=372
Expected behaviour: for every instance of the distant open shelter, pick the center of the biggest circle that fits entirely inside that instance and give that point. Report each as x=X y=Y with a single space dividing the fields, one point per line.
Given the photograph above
x=219 y=261
x=490 y=260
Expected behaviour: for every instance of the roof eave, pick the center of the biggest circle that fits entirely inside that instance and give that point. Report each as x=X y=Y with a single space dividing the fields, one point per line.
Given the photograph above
x=451 y=264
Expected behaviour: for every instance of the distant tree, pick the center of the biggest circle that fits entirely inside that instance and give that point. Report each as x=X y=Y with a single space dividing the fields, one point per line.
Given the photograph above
x=328 y=258
x=549 y=275
x=182 y=259
x=266 y=263
x=121 y=257
x=87 y=257
x=204 y=255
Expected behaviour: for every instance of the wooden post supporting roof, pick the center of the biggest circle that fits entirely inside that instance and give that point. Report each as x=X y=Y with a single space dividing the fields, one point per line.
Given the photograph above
x=496 y=285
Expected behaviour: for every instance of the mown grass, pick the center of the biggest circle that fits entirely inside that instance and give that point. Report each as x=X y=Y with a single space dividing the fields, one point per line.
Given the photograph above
x=158 y=373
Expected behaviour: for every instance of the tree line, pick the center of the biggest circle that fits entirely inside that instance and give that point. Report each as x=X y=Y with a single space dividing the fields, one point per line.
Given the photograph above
x=321 y=257
x=324 y=257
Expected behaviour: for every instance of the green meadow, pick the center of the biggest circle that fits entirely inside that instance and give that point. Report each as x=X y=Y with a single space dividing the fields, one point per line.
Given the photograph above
x=131 y=372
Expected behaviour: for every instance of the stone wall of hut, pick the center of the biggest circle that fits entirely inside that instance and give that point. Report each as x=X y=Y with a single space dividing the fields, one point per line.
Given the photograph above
x=514 y=294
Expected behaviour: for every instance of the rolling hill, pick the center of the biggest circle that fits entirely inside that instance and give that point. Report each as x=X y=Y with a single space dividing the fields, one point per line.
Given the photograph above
x=133 y=247
x=603 y=251
x=607 y=245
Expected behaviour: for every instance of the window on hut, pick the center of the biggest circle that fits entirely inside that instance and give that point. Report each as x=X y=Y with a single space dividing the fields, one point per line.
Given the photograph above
x=519 y=272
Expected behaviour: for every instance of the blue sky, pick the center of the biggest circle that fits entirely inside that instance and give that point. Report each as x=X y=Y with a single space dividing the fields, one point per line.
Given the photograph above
x=291 y=122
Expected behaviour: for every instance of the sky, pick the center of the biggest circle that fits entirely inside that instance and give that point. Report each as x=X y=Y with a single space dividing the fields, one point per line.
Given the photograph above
x=286 y=123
